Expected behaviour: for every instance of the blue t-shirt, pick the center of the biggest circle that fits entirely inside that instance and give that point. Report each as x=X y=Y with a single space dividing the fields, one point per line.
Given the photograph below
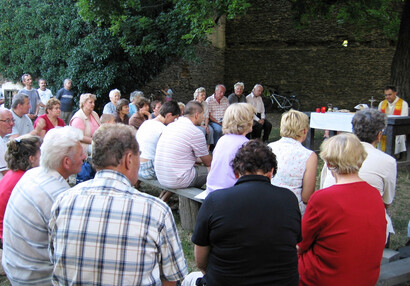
x=66 y=98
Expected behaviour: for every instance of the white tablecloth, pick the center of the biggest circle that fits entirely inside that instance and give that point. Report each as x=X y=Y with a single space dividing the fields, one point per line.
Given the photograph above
x=337 y=121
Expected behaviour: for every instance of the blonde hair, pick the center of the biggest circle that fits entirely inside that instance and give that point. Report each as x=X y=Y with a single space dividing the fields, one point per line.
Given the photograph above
x=293 y=123
x=85 y=96
x=51 y=103
x=238 y=118
x=343 y=153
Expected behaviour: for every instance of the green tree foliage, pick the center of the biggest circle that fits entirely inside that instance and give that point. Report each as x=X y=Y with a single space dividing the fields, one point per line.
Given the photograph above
x=114 y=43
x=364 y=16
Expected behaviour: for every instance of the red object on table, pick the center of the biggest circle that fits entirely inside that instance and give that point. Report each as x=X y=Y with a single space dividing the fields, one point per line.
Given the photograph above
x=323 y=109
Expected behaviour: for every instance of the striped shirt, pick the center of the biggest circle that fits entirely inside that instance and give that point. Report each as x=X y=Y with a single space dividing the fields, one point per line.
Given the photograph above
x=180 y=144
x=105 y=232
x=25 y=236
x=217 y=110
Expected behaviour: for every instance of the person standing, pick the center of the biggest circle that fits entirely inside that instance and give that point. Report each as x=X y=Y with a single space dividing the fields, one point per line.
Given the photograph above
x=394 y=105
x=45 y=95
x=123 y=236
x=33 y=96
x=66 y=97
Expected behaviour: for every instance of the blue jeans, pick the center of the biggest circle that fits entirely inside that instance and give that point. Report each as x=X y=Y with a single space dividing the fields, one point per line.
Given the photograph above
x=217 y=131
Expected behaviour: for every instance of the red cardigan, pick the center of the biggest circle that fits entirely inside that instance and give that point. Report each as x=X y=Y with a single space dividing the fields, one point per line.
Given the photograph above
x=344 y=233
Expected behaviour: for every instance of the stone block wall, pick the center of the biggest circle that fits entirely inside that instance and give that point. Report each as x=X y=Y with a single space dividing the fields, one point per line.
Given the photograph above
x=264 y=46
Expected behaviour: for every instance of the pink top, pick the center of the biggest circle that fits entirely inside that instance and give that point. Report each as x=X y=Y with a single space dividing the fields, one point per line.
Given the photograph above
x=6 y=187
x=79 y=123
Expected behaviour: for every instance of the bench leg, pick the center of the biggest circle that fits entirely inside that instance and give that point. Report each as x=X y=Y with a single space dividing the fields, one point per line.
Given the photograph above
x=188 y=211
x=165 y=196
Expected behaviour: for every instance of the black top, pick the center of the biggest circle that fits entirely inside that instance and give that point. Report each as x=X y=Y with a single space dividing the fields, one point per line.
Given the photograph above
x=252 y=229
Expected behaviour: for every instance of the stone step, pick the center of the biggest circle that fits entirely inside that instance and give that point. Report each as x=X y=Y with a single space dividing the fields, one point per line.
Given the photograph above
x=394 y=273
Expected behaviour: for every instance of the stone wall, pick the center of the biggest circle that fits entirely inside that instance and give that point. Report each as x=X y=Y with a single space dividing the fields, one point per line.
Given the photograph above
x=264 y=46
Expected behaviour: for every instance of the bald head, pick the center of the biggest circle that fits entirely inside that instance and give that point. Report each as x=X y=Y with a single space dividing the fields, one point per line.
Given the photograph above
x=6 y=122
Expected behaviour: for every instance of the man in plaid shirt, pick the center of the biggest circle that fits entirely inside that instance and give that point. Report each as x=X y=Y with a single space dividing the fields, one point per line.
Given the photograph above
x=104 y=231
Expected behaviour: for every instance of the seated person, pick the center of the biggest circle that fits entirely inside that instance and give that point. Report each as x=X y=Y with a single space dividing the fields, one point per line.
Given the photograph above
x=51 y=118
x=237 y=95
x=110 y=107
x=122 y=110
x=344 y=226
x=296 y=164
x=142 y=113
x=107 y=118
x=260 y=122
x=217 y=104
x=178 y=149
x=155 y=107
x=200 y=95
x=237 y=123
x=148 y=136
x=379 y=169
x=246 y=234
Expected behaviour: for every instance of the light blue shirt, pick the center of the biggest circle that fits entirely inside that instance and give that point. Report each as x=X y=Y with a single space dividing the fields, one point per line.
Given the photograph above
x=25 y=234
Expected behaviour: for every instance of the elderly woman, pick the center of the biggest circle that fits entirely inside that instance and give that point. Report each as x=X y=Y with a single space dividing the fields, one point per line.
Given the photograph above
x=237 y=123
x=296 y=164
x=142 y=114
x=200 y=95
x=121 y=115
x=133 y=100
x=51 y=118
x=110 y=107
x=23 y=153
x=344 y=227
x=86 y=119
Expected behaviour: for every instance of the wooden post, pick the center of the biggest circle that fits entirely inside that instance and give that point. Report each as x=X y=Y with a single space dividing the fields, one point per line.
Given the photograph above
x=188 y=211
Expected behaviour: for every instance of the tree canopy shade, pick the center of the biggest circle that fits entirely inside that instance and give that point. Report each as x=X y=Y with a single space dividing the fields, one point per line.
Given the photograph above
x=367 y=15
x=114 y=43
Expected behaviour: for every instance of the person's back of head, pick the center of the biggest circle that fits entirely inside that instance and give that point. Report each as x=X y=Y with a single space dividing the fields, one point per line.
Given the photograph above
x=19 y=151
x=238 y=118
x=59 y=142
x=107 y=118
x=170 y=107
x=368 y=123
x=253 y=157
x=110 y=143
x=192 y=108
x=293 y=123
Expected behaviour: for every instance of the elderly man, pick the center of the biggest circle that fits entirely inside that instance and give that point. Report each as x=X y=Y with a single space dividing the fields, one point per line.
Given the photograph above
x=394 y=105
x=110 y=107
x=238 y=95
x=22 y=123
x=25 y=238
x=66 y=97
x=33 y=96
x=6 y=125
x=232 y=245
x=217 y=104
x=178 y=149
x=45 y=95
x=379 y=169
x=260 y=123
x=125 y=237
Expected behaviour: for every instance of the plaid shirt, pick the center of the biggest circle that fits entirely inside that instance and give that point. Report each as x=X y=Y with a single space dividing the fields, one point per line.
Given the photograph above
x=105 y=232
x=217 y=110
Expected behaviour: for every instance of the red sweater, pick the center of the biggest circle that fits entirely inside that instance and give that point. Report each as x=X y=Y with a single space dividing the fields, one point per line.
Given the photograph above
x=344 y=233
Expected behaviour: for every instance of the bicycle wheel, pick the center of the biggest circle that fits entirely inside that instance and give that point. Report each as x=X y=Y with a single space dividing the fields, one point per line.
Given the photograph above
x=295 y=103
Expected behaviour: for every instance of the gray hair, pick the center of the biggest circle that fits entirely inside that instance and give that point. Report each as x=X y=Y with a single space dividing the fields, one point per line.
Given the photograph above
x=113 y=92
x=58 y=143
x=18 y=99
x=67 y=80
x=368 y=123
x=257 y=85
x=239 y=84
x=218 y=86
x=111 y=142
x=136 y=93
x=198 y=91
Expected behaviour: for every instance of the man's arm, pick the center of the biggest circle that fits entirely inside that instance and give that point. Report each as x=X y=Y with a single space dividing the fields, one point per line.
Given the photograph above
x=207 y=159
x=201 y=257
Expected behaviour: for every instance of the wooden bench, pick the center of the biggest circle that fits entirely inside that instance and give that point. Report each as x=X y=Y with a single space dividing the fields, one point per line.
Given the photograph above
x=188 y=204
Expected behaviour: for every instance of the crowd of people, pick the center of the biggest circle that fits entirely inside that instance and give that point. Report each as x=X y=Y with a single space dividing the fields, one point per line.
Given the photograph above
x=262 y=221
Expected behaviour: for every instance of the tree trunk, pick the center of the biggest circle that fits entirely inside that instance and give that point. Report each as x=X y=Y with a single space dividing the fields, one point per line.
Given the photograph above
x=400 y=69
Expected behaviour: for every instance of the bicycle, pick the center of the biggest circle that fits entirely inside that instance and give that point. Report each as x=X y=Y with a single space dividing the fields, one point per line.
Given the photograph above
x=282 y=102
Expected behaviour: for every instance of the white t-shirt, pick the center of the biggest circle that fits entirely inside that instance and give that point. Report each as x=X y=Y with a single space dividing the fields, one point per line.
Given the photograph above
x=180 y=144
x=147 y=136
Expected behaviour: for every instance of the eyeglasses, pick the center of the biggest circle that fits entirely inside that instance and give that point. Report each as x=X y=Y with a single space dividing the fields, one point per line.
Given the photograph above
x=8 y=121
